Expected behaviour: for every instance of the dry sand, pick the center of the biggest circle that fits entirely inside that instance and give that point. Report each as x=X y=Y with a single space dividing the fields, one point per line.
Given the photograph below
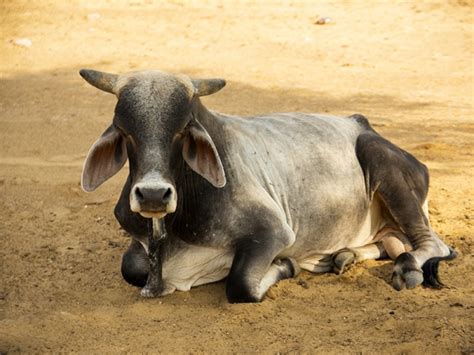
x=407 y=66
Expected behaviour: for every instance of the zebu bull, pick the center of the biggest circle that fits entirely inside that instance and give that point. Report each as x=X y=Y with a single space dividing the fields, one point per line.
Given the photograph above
x=256 y=199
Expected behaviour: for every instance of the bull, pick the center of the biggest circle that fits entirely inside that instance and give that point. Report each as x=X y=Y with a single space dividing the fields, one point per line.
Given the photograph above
x=254 y=199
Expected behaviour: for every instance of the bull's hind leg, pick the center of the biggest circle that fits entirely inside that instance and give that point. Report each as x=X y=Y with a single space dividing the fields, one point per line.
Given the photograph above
x=344 y=258
x=390 y=243
x=402 y=184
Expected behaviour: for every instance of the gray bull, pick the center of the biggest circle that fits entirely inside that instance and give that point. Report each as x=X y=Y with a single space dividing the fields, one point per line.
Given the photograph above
x=256 y=199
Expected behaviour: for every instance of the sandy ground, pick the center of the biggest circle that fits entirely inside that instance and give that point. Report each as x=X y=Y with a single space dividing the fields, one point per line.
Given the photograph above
x=407 y=66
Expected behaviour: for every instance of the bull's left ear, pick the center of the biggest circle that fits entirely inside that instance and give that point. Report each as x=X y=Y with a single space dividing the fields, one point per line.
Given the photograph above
x=200 y=152
x=105 y=158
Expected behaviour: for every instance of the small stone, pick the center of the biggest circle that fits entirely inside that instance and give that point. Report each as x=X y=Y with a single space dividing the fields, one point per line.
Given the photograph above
x=303 y=284
x=323 y=21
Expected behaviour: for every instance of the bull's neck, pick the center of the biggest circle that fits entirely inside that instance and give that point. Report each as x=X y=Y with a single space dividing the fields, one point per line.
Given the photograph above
x=196 y=196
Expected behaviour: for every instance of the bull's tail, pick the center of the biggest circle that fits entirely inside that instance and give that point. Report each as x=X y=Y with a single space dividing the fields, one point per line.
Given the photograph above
x=430 y=270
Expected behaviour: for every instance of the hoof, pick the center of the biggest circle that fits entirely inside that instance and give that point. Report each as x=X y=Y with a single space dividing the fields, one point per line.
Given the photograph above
x=150 y=293
x=406 y=273
x=293 y=266
x=341 y=260
x=288 y=268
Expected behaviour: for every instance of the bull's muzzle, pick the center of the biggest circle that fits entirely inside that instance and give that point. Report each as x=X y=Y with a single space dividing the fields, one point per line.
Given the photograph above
x=153 y=199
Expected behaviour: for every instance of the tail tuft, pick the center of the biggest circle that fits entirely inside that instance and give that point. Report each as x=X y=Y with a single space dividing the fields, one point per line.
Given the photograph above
x=430 y=270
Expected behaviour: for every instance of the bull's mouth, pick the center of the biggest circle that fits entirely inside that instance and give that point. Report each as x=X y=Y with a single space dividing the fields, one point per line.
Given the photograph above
x=153 y=214
x=147 y=210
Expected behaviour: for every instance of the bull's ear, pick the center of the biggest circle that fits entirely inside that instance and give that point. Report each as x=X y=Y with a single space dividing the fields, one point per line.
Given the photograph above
x=105 y=158
x=201 y=154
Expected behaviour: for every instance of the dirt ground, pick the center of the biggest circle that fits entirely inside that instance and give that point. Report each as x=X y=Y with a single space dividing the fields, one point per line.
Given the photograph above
x=408 y=66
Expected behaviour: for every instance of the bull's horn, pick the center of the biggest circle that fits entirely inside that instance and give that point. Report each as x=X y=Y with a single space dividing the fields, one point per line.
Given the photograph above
x=205 y=87
x=101 y=80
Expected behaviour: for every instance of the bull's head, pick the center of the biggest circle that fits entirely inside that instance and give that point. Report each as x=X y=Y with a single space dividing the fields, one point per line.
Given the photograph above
x=153 y=116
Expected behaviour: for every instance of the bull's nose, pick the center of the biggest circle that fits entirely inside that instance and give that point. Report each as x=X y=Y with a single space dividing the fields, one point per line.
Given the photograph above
x=160 y=196
x=147 y=197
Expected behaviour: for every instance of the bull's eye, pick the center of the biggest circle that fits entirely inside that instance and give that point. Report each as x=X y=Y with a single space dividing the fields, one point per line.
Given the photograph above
x=128 y=137
x=119 y=129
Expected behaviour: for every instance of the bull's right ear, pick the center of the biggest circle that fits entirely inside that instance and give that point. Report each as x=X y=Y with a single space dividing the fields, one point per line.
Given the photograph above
x=105 y=158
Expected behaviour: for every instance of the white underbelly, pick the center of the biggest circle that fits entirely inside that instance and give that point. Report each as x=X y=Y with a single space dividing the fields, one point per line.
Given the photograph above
x=194 y=266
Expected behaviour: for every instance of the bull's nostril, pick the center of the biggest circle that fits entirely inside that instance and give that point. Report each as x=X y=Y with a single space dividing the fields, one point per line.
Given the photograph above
x=139 y=195
x=167 y=196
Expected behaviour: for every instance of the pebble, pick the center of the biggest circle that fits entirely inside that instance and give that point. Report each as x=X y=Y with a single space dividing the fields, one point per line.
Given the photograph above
x=23 y=42
x=303 y=284
x=323 y=21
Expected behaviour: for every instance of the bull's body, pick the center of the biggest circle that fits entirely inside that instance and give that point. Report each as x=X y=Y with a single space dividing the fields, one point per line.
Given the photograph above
x=301 y=190
x=316 y=203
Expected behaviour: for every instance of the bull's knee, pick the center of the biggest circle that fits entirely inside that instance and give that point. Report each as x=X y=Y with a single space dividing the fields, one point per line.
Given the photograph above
x=135 y=265
x=242 y=289
x=246 y=289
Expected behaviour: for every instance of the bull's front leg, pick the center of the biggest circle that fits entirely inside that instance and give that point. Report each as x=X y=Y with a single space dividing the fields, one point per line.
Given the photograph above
x=255 y=267
x=156 y=235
